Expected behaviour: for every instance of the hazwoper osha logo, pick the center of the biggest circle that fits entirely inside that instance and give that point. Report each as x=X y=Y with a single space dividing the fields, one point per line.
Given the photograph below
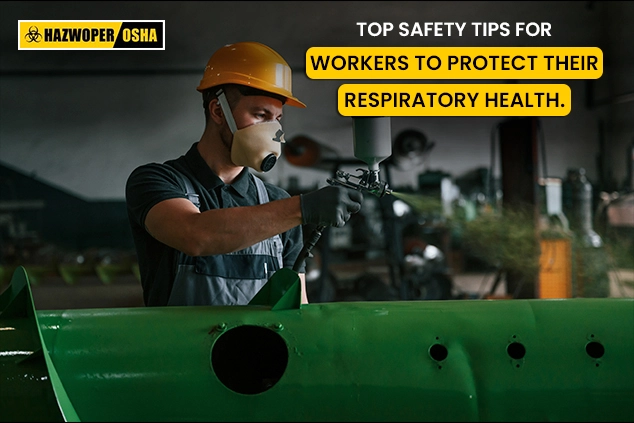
x=91 y=35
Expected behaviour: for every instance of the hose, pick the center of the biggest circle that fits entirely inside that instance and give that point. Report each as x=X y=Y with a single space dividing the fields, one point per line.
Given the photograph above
x=308 y=246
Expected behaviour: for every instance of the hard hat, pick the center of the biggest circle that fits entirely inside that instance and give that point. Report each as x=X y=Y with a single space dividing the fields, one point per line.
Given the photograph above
x=251 y=64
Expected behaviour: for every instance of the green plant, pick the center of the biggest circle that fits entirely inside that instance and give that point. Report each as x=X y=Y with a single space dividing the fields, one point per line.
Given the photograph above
x=506 y=239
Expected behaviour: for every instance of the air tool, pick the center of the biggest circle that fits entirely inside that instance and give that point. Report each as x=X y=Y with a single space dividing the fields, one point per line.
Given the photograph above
x=372 y=137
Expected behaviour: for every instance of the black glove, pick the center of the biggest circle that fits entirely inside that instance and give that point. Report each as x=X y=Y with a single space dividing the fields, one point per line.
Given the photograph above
x=330 y=206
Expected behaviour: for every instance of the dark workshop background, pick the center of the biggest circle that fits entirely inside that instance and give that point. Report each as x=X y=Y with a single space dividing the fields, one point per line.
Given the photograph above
x=74 y=124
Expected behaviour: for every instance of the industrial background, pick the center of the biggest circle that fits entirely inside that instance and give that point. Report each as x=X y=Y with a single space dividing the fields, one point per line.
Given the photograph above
x=74 y=124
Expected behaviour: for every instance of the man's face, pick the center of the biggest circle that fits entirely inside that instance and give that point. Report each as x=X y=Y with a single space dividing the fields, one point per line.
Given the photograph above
x=254 y=109
x=251 y=110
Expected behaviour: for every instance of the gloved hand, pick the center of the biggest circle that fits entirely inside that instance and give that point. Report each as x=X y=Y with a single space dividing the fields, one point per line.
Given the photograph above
x=331 y=205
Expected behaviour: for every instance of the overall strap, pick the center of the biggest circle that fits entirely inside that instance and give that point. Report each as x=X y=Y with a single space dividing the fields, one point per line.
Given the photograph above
x=189 y=187
x=276 y=240
x=263 y=195
x=191 y=192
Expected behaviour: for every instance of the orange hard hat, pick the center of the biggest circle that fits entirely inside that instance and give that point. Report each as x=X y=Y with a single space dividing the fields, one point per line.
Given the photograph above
x=251 y=64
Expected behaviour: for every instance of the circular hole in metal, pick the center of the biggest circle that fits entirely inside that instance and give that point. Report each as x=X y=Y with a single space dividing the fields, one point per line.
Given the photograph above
x=249 y=359
x=594 y=349
x=438 y=352
x=516 y=351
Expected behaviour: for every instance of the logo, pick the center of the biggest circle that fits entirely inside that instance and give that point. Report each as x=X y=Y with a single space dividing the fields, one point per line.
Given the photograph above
x=279 y=136
x=91 y=35
x=33 y=35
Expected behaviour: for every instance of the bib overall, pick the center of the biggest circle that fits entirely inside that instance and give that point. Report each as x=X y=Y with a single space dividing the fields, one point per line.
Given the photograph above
x=227 y=279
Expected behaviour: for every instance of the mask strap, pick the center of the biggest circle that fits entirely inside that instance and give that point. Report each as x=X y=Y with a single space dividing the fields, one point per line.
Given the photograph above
x=224 y=105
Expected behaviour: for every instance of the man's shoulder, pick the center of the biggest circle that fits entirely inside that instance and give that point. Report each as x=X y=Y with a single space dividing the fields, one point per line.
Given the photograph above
x=168 y=167
x=149 y=169
x=155 y=174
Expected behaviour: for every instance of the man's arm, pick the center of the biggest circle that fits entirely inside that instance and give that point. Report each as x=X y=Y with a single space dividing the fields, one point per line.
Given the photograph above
x=221 y=231
x=302 y=278
x=178 y=223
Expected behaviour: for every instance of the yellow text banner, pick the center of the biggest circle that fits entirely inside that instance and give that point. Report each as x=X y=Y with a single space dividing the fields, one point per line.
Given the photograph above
x=454 y=62
x=454 y=99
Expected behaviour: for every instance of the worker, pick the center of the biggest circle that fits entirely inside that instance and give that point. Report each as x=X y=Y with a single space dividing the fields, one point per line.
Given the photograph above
x=207 y=230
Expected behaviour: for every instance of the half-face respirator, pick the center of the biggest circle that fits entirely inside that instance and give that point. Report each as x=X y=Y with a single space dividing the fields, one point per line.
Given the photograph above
x=257 y=146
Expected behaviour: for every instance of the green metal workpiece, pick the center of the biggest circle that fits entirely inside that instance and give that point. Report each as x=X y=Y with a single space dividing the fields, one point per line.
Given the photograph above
x=281 y=292
x=31 y=388
x=462 y=360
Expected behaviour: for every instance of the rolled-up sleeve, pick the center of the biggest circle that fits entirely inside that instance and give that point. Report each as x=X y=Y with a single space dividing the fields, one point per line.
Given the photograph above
x=147 y=186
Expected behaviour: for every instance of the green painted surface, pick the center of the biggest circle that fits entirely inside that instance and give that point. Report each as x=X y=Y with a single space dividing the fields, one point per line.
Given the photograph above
x=467 y=360
x=31 y=389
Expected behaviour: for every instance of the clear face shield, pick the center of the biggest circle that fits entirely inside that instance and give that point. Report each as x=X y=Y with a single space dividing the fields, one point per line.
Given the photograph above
x=256 y=146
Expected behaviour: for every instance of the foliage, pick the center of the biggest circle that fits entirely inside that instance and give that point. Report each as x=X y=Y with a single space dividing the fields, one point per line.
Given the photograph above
x=506 y=238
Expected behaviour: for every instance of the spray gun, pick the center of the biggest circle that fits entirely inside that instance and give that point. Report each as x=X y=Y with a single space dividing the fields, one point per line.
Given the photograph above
x=372 y=144
x=367 y=182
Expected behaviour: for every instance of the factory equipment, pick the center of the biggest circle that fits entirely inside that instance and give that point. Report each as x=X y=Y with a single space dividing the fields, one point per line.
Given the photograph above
x=577 y=201
x=590 y=264
x=518 y=141
x=425 y=272
x=305 y=152
x=410 y=148
x=555 y=259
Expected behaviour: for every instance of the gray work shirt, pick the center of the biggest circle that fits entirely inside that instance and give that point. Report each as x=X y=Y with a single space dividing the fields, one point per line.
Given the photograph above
x=155 y=182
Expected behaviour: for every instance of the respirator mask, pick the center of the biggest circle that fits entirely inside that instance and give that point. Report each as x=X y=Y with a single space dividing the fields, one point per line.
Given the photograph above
x=256 y=146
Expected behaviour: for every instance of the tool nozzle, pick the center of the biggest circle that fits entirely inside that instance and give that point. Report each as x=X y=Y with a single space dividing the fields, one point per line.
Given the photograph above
x=368 y=181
